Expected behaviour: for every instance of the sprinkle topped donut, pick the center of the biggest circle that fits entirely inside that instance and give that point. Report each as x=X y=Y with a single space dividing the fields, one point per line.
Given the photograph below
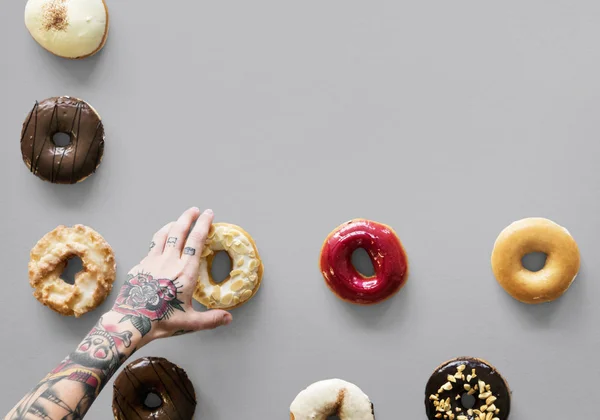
x=467 y=388
x=387 y=255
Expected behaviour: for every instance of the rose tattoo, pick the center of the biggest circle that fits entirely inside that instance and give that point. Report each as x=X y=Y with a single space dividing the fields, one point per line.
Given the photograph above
x=144 y=299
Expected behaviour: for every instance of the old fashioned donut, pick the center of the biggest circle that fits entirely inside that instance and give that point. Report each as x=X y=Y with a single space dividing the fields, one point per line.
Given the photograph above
x=62 y=164
x=386 y=253
x=153 y=375
x=529 y=235
x=93 y=283
x=467 y=388
x=68 y=28
x=332 y=397
x=246 y=274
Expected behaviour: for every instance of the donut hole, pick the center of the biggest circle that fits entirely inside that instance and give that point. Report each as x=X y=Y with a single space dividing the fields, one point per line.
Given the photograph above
x=61 y=139
x=220 y=267
x=152 y=400
x=467 y=401
x=73 y=266
x=361 y=260
x=534 y=261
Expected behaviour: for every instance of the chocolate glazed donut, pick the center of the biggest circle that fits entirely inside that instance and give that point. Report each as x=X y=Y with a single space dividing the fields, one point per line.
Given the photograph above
x=62 y=164
x=467 y=388
x=153 y=375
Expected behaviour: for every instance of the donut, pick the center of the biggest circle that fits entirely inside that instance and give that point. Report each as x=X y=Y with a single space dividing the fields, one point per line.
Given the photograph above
x=387 y=255
x=68 y=28
x=246 y=274
x=153 y=375
x=529 y=235
x=332 y=397
x=48 y=259
x=467 y=388
x=62 y=164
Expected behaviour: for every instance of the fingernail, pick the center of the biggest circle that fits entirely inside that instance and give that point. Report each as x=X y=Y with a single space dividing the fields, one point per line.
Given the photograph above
x=226 y=319
x=195 y=209
x=208 y=211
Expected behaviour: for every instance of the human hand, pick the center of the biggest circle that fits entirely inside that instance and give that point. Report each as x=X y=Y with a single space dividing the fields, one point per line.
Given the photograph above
x=157 y=295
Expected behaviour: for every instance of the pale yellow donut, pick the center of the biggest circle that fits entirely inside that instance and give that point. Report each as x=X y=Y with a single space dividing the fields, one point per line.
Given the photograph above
x=535 y=235
x=68 y=28
x=49 y=257
x=246 y=274
x=332 y=397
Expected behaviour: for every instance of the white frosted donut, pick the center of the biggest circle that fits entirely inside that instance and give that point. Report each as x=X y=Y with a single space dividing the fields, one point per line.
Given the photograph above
x=68 y=28
x=245 y=276
x=332 y=397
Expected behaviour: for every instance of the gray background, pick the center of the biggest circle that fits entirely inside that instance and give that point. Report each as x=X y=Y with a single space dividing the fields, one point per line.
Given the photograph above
x=446 y=120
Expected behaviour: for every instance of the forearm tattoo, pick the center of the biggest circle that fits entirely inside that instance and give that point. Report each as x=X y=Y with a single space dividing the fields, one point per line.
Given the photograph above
x=144 y=299
x=171 y=241
x=189 y=250
x=69 y=390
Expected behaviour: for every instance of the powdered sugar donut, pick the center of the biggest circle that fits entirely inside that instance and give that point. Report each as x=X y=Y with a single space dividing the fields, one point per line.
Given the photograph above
x=332 y=397
x=68 y=28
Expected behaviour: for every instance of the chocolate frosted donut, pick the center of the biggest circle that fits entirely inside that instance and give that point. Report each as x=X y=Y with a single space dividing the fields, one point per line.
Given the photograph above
x=467 y=388
x=153 y=375
x=62 y=164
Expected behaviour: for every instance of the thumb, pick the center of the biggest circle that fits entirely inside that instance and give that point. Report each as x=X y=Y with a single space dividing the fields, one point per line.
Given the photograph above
x=210 y=319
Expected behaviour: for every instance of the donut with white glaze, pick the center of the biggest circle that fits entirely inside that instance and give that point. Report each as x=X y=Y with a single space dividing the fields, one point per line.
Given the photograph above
x=535 y=234
x=332 y=397
x=387 y=255
x=246 y=274
x=72 y=29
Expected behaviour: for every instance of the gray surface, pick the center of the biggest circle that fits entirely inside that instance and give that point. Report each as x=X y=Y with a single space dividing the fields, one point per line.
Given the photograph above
x=447 y=120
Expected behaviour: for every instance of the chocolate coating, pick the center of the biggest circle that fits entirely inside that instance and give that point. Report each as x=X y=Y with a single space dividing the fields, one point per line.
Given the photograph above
x=484 y=371
x=153 y=375
x=386 y=253
x=73 y=162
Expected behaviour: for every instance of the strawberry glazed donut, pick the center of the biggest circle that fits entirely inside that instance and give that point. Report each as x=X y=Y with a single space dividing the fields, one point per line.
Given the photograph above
x=386 y=253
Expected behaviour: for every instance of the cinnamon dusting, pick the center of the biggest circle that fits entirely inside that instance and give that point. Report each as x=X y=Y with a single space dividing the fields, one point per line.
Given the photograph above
x=55 y=16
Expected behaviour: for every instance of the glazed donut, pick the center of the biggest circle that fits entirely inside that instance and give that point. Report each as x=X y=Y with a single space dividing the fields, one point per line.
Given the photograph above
x=535 y=234
x=77 y=160
x=153 y=375
x=467 y=388
x=246 y=274
x=48 y=259
x=387 y=255
x=332 y=397
x=68 y=28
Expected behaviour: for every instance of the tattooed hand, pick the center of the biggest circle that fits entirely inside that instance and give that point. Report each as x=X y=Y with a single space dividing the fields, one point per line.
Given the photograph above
x=154 y=302
x=157 y=295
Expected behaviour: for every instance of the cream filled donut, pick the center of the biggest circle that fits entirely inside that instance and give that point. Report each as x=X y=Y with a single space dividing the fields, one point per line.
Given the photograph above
x=68 y=28
x=245 y=276
x=332 y=397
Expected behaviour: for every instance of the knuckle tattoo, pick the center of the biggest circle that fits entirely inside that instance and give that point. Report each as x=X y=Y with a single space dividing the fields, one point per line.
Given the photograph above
x=171 y=241
x=188 y=250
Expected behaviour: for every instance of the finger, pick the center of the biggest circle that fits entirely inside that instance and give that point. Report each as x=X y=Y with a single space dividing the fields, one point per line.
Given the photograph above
x=209 y=320
x=179 y=231
x=195 y=242
x=159 y=239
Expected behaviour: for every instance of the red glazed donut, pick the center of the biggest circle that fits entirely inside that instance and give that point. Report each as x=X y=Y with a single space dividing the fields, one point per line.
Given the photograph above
x=387 y=255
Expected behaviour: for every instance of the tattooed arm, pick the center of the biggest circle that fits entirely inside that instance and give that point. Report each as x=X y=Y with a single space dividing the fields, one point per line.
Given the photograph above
x=154 y=302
